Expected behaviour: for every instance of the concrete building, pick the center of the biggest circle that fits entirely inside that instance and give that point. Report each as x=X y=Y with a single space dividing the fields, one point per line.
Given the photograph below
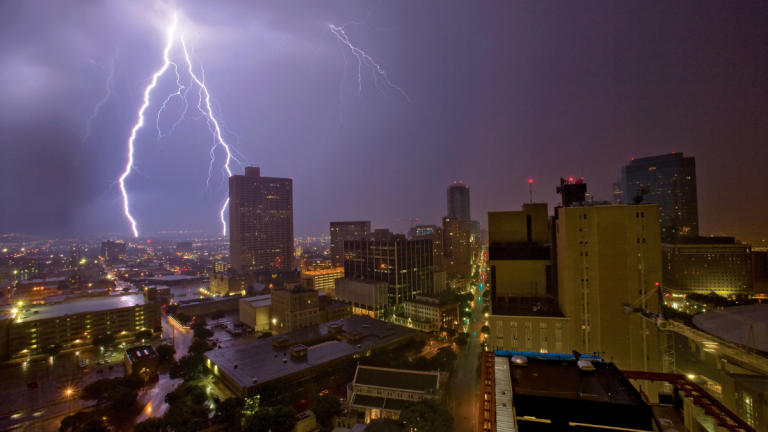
x=457 y=283
x=519 y=255
x=112 y=250
x=303 y=354
x=406 y=265
x=558 y=392
x=332 y=310
x=341 y=231
x=141 y=360
x=707 y=264
x=458 y=201
x=747 y=396
x=367 y=297
x=322 y=280
x=428 y=313
x=294 y=308
x=223 y=284
x=383 y=392
x=609 y=256
x=256 y=312
x=671 y=183
x=305 y=422
x=74 y=323
x=207 y=305
x=434 y=233
x=457 y=251
x=441 y=282
x=261 y=223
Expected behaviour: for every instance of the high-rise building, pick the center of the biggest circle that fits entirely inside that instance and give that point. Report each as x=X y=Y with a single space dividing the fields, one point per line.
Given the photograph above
x=707 y=264
x=458 y=201
x=434 y=233
x=406 y=265
x=261 y=223
x=609 y=256
x=112 y=250
x=671 y=183
x=457 y=251
x=341 y=231
x=617 y=197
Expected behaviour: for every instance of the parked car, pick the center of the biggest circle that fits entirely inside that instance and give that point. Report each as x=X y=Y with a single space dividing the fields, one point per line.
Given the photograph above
x=32 y=384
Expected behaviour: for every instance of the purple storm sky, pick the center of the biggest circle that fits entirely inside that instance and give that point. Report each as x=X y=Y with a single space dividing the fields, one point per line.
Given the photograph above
x=499 y=92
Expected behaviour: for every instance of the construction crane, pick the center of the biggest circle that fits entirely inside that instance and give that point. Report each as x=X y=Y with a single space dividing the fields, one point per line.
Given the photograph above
x=411 y=219
x=726 y=348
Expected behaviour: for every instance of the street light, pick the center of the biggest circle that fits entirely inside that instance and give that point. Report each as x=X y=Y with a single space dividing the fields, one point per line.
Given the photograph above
x=69 y=396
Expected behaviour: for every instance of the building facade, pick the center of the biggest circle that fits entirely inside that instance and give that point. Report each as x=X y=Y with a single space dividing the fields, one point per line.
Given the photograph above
x=458 y=201
x=383 y=392
x=428 y=313
x=341 y=231
x=707 y=264
x=323 y=280
x=406 y=265
x=609 y=256
x=294 y=308
x=260 y=222
x=225 y=283
x=112 y=250
x=256 y=312
x=671 y=183
x=457 y=250
x=367 y=297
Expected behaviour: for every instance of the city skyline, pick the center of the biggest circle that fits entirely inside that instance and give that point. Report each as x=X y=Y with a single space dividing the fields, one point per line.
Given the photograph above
x=556 y=106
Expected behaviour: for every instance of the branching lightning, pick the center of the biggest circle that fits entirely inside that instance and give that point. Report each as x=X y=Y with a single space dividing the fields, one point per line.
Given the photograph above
x=129 y=166
x=208 y=108
x=101 y=103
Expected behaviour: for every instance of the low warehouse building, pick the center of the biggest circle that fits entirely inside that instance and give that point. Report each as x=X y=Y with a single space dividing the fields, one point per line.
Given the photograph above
x=141 y=360
x=301 y=354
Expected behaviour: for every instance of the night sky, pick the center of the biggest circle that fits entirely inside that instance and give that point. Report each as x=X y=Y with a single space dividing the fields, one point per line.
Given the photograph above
x=499 y=92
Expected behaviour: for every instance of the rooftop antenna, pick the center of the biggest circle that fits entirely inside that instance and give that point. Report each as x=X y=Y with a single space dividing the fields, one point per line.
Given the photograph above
x=530 y=186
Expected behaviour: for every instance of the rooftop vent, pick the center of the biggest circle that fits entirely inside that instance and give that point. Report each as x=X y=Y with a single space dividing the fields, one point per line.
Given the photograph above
x=298 y=351
x=519 y=360
x=586 y=365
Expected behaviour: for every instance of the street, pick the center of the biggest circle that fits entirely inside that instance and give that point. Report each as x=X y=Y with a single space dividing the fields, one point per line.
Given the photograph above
x=465 y=381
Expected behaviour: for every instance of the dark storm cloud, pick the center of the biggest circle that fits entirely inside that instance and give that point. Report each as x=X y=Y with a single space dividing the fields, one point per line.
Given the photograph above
x=502 y=92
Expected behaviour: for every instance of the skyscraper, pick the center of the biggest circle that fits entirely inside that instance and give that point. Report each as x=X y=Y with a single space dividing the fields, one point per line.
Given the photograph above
x=458 y=201
x=341 y=231
x=457 y=251
x=261 y=223
x=406 y=265
x=671 y=183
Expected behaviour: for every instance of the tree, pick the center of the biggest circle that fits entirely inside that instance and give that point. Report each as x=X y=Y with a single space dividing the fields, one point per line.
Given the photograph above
x=103 y=340
x=143 y=334
x=93 y=425
x=217 y=315
x=130 y=382
x=485 y=330
x=201 y=333
x=460 y=341
x=325 y=407
x=426 y=415
x=198 y=322
x=165 y=352
x=97 y=390
x=152 y=424
x=229 y=412
x=53 y=350
x=198 y=346
x=121 y=402
x=273 y=419
x=187 y=367
x=73 y=422
x=183 y=318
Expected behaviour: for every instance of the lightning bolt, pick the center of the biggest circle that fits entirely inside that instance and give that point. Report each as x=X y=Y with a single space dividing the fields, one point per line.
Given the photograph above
x=101 y=103
x=129 y=165
x=364 y=61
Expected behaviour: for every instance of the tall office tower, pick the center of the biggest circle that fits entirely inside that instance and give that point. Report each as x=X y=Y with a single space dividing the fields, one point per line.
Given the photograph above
x=458 y=201
x=671 y=183
x=617 y=197
x=457 y=252
x=112 y=250
x=434 y=233
x=406 y=265
x=260 y=223
x=609 y=256
x=341 y=231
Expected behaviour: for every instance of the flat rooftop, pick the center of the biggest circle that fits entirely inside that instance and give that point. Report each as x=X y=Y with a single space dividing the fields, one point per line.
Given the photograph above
x=396 y=378
x=564 y=380
x=81 y=305
x=526 y=310
x=259 y=359
x=258 y=301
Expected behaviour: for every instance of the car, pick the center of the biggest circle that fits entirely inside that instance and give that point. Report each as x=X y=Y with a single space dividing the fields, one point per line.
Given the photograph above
x=100 y=362
x=106 y=361
x=32 y=384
